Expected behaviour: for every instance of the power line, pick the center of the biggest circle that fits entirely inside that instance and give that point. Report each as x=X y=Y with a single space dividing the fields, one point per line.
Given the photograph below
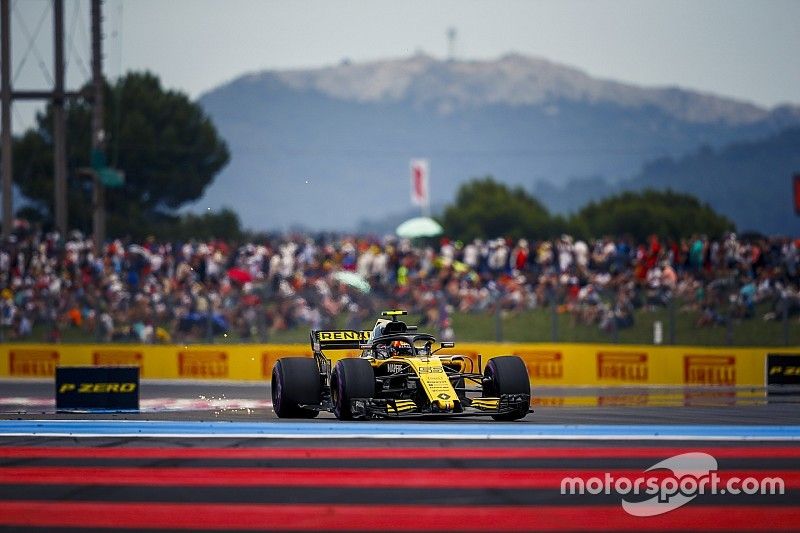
x=70 y=33
x=84 y=33
x=19 y=116
x=71 y=42
x=115 y=127
x=32 y=43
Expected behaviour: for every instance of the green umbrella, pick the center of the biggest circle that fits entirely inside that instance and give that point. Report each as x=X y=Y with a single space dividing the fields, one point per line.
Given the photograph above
x=353 y=280
x=419 y=227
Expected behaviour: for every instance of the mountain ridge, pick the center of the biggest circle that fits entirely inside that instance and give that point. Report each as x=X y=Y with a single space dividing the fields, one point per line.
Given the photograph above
x=526 y=80
x=721 y=177
x=305 y=139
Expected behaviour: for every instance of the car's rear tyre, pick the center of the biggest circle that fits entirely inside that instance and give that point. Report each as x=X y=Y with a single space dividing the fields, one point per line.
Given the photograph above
x=351 y=378
x=507 y=374
x=295 y=382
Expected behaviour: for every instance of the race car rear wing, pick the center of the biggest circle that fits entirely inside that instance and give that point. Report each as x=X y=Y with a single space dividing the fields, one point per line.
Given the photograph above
x=339 y=339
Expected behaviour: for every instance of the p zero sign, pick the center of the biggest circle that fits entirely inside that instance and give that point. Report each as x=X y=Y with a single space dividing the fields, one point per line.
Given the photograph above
x=106 y=388
x=783 y=369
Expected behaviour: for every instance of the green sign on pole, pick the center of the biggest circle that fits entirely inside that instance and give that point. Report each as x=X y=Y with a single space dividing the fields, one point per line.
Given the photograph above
x=109 y=177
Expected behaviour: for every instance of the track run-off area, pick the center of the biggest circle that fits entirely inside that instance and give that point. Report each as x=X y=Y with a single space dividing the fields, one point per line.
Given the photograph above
x=190 y=461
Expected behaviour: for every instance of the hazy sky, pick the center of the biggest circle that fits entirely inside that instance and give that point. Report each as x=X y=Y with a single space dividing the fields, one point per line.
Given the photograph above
x=742 y=48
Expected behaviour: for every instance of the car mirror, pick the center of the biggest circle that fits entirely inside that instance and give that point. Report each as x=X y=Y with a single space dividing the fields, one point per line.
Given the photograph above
x=364 y=346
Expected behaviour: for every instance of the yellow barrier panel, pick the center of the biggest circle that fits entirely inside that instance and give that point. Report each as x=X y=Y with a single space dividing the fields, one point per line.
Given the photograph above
x=548 y=364
x=631 y=365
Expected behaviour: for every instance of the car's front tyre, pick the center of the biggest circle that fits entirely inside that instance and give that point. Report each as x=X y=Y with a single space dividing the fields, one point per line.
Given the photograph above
x=507 y=374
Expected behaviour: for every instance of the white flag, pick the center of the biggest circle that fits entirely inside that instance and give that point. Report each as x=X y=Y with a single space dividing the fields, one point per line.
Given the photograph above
x=419 y=182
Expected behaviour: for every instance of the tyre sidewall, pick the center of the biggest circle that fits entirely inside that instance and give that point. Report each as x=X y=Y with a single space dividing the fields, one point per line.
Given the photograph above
x=508 y=375
x=351 y=378
x=295 y=382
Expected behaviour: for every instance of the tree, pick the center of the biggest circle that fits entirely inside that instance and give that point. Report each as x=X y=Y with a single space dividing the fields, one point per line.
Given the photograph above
x=167 y=147
x=223 y=224
x=486 y=209
x=640 y=214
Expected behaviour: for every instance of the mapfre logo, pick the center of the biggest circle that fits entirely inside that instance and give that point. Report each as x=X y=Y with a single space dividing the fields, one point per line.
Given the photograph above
x=33 y=363
x=622 y=366
x=543 y=364
x=203 y=364
x=709 y=370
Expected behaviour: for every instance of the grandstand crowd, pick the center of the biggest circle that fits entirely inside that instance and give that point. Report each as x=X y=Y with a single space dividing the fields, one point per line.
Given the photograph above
x=156 y=291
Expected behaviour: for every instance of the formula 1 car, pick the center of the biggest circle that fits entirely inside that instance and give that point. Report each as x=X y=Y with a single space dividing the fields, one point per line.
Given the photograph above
x=397 y=375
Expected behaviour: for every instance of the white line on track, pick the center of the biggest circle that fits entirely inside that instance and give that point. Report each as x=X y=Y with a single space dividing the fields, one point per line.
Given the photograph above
x=393 y=430
x=156 y=404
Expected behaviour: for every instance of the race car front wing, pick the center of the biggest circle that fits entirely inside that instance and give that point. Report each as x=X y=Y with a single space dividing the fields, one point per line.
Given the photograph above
x=481 y=406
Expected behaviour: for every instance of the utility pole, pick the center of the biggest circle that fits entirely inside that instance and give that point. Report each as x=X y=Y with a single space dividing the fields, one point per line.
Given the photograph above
x=98 y=133
x=59 y=123
x=5 y=96
x=57 y=96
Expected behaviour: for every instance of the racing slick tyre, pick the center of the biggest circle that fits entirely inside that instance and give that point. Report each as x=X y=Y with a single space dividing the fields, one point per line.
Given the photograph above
x=351 y=378
x=507 y=374
x=295 y=382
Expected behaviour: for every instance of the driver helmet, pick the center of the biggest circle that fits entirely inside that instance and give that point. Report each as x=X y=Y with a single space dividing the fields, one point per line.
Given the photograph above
x=401 y=348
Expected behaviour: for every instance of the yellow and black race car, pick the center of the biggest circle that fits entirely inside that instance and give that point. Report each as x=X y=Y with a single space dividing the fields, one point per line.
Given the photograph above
x=398 y=374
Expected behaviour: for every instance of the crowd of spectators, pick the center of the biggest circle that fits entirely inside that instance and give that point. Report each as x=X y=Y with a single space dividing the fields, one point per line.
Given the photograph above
x=155 y=291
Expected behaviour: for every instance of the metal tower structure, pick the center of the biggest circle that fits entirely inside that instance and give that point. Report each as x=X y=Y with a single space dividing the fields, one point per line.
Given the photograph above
x=452 y=34
x=57 y=97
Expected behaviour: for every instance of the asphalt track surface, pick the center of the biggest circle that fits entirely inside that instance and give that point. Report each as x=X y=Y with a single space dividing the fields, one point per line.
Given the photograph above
x=454 y=477
x=235 y=401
